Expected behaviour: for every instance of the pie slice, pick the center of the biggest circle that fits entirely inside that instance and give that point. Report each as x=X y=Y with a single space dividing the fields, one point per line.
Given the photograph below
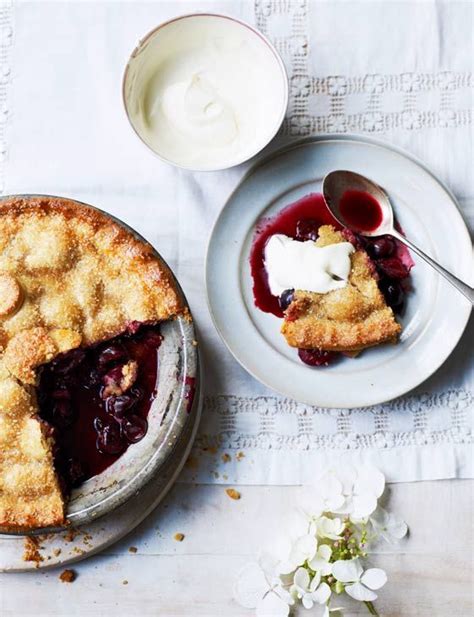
x=348 y=319
x=70 y=278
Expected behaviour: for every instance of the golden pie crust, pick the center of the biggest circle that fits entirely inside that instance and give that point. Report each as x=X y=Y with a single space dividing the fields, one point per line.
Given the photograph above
x=348 y=319
x=69 y=277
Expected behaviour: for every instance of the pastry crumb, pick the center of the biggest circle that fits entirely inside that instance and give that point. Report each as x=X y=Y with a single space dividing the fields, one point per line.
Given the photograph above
x=179 y=537
x=226 y=457
x=31 y=551
x=239 y=456
x=57 y=552
x=233 y=494
x=132 y=549
x=68 y=576
x=125 y=582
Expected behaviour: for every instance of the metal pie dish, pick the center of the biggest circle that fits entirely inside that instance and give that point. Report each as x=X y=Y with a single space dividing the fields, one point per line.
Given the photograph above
x=170 y=416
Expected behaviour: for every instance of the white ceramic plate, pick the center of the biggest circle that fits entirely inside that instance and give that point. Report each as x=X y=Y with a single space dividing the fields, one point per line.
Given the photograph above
x=435 y=315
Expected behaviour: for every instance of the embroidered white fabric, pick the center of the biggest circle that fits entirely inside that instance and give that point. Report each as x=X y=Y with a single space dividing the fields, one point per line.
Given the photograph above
x=400 y=71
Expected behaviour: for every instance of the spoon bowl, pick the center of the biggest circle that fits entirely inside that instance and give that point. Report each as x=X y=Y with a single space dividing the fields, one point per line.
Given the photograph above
x=340 y=184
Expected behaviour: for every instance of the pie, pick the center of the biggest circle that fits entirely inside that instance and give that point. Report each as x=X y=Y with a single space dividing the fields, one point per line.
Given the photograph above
x=71 y=279
x=344 y=320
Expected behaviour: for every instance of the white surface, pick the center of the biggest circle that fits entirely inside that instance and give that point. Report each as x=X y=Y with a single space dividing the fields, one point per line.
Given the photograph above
x=66 y=133
x=435 y=315
x=205 y=92
x=430 y=574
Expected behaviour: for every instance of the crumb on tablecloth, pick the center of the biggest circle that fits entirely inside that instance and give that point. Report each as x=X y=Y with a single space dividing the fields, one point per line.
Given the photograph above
x=226 y=457
x=132 y=549
x=233 y=494
x=125 y=582
x=239 y=456
x=179 y=537
x=68 y=576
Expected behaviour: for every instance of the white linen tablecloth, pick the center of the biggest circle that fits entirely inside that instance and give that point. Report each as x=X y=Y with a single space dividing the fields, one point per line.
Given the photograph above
x=395 y=70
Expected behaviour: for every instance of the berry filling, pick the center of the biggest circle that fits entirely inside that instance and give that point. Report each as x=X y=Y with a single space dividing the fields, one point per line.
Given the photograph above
x=96 y=401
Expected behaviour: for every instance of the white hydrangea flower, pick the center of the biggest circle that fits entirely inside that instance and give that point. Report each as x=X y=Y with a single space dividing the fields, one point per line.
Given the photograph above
x=389 y=526
x=329 y=527
x=258 y=586
x=349 y=490
x=320 y=562
x=310 y=591
x=358 y=584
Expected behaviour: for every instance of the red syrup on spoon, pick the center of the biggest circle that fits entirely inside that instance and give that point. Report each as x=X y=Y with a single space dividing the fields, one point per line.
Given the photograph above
x=360 y=211
x=91 y=432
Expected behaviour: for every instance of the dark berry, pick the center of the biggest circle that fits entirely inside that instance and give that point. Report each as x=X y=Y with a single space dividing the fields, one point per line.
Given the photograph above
x=316 y=357
x=307 y=229
x=98 y=424
x=134 y=428
x=286 y=299
x=381 y=247
x=110 y=355
x=109 y=440
x=118 y=405
x=393 y=293
x=392 y=268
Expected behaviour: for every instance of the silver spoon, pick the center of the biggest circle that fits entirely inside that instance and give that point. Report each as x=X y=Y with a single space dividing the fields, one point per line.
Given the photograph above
x=336 y=183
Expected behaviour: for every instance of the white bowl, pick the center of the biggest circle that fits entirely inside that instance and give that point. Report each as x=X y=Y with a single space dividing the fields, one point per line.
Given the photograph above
x=203 y=42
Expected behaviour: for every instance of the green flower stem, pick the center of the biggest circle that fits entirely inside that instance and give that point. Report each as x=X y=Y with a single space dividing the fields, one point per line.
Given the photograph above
x=371 y=608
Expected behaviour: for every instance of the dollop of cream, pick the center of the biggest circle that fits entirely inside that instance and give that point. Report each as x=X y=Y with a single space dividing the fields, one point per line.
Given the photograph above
x=303 y=265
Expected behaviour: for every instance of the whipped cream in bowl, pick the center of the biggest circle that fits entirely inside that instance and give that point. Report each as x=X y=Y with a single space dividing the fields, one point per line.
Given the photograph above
x=205 y=91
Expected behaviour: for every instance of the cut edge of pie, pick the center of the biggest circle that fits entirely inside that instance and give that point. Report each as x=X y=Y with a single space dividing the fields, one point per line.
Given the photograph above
x=345 y=320
x=71 y=277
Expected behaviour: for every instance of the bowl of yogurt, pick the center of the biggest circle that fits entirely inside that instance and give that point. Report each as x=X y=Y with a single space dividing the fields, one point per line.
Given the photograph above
x=205 y=91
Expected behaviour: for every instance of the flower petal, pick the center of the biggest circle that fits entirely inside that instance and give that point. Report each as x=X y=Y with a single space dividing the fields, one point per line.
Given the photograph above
x=322 y=593
x=360 y=593
x=369 y=480
x=272 y=606
x=315 y=582
x=364 y=505
x=347 y=475
x=374 y=578
x=303 y=548
x=307 y=601
x=324 y=551
x=250 y=586
x=301 y=578
x=270 y=567
x=320 y=565
x=347 y=570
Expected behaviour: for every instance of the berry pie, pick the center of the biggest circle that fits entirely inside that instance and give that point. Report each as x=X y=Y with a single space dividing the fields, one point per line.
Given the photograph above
x=81 y=299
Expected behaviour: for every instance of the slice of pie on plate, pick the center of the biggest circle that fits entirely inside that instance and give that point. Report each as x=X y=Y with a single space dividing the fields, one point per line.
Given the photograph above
x=70 y=277
x=346 y=320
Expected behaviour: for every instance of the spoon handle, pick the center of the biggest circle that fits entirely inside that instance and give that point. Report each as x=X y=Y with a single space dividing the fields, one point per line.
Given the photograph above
x=460 y=285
